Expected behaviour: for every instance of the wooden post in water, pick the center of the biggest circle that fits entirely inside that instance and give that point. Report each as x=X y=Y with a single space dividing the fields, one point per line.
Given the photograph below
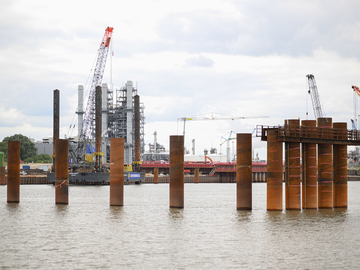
x=243 y=172
x=325 y=165
x=61 y=171
x=176 y=172
x=197 y=176
x=274 y=171
x=13 y=176
x=340 y=169
x=292 y=167
x=309 y=171
x=117 y=172
x=156 y=175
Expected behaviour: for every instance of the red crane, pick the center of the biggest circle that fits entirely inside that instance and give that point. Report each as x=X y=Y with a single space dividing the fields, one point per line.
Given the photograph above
x=89 y=118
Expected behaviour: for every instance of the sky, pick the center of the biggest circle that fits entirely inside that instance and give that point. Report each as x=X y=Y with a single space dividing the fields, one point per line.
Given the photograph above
x=187 y=58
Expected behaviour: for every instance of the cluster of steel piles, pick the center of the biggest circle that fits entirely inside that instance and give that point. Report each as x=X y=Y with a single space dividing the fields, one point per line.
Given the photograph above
x=324 y=172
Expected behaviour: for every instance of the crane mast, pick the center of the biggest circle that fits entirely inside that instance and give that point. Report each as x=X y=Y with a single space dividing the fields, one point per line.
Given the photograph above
x=313 y=92
x=89 y=118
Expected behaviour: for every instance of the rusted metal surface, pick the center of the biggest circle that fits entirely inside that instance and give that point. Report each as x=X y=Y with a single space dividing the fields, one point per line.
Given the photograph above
x=56 y=123
x=2 y=176
x=197 y=176
x=13 y=174
x=98 y=117
x=292 y=169
x=117 y=172
x=176 y=171
x=325 y=167
x=243 y=171
x=311 y=135
x=309 y=171
x=156 y=175
x=274 y=171
x=62 y=171
x=340 y=195
x=137 y=127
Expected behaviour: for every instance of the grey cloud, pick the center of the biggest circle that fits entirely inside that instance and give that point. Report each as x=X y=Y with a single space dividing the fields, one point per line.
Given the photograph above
x=199 y=61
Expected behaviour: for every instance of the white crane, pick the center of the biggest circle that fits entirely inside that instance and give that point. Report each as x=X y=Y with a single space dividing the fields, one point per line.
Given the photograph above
x=204 y=118
x=315 y=98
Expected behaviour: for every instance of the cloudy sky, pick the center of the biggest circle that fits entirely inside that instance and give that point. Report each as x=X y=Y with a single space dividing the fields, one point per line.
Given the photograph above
x=237 y=58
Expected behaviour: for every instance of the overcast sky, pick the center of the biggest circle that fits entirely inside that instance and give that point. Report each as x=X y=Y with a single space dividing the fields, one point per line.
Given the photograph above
x=238 y=58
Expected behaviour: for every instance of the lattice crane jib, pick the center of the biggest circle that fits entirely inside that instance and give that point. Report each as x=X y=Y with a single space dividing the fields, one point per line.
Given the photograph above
x=315 y=98
x=96 y=81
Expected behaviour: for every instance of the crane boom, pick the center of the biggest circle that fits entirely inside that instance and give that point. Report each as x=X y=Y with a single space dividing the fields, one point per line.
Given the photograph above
x=315 y=98
x=96 y=81
x=204 y=118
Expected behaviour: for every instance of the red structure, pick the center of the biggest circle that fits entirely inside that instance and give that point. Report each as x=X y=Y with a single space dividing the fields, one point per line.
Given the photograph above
x=117 y=172
x=176 y=172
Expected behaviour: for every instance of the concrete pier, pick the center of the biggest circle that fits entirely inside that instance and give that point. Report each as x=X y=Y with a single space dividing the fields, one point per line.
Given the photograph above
x=274 y=171
x=325 y=166
x=340 y=170
x=292 y=168
x=117 y=172
x=176 y=172
x=309 y=171
x=243 y=171
x=61 y=171
x=13 y=176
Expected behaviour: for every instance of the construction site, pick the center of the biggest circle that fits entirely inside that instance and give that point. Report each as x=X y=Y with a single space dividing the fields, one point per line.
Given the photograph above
x=119 y=113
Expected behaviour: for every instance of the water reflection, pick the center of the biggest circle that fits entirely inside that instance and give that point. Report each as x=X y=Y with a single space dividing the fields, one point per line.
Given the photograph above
x=116 y=212
x=176 y=213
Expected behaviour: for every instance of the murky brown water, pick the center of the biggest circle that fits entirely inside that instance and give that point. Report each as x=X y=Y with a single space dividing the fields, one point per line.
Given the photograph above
x=145 y=234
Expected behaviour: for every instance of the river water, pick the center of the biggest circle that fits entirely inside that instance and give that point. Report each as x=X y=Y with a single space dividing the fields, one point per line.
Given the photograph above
x=209 y=233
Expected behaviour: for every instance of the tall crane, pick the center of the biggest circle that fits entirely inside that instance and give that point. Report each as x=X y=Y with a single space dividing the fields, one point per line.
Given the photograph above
x=315 y=98
x=96 y=81
x=204 y=118
x=356 y=91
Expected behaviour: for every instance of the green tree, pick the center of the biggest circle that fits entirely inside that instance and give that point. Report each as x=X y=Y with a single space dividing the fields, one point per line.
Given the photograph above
x=27 y=147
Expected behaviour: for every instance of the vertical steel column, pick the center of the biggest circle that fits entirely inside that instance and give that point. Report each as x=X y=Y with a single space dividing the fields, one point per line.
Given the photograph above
x=117 y=171
x=243 y=171
x=274 y=171
x=325 y=165
x=2 y=170
x=56 y=123
x=197 y=176
x=137 y=127
x=13 y=176
x=62 y=172
x=340 y=168
x=309 y=171
x=156 y=175
x=176 y=171
x=98 y=124
x=292 y=167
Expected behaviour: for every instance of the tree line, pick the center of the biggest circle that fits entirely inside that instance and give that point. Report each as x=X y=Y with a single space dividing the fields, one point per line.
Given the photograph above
x=27 y=149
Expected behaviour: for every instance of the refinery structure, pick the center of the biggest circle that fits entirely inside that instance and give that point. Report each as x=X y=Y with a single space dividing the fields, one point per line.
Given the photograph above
x=118 y=120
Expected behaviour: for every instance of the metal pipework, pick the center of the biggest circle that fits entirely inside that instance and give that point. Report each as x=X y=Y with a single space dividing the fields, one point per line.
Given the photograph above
x=309 y=171
x=340 y=170
x=117 y=172
x=98 y=114
x=325 y=167
x=292 y=168
x=176 y=172
x=13 y=176
x=156 y=175
x=274 y=172
x=244 y=171
x=56 y=123
x=62 y=171
x=197 y=176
